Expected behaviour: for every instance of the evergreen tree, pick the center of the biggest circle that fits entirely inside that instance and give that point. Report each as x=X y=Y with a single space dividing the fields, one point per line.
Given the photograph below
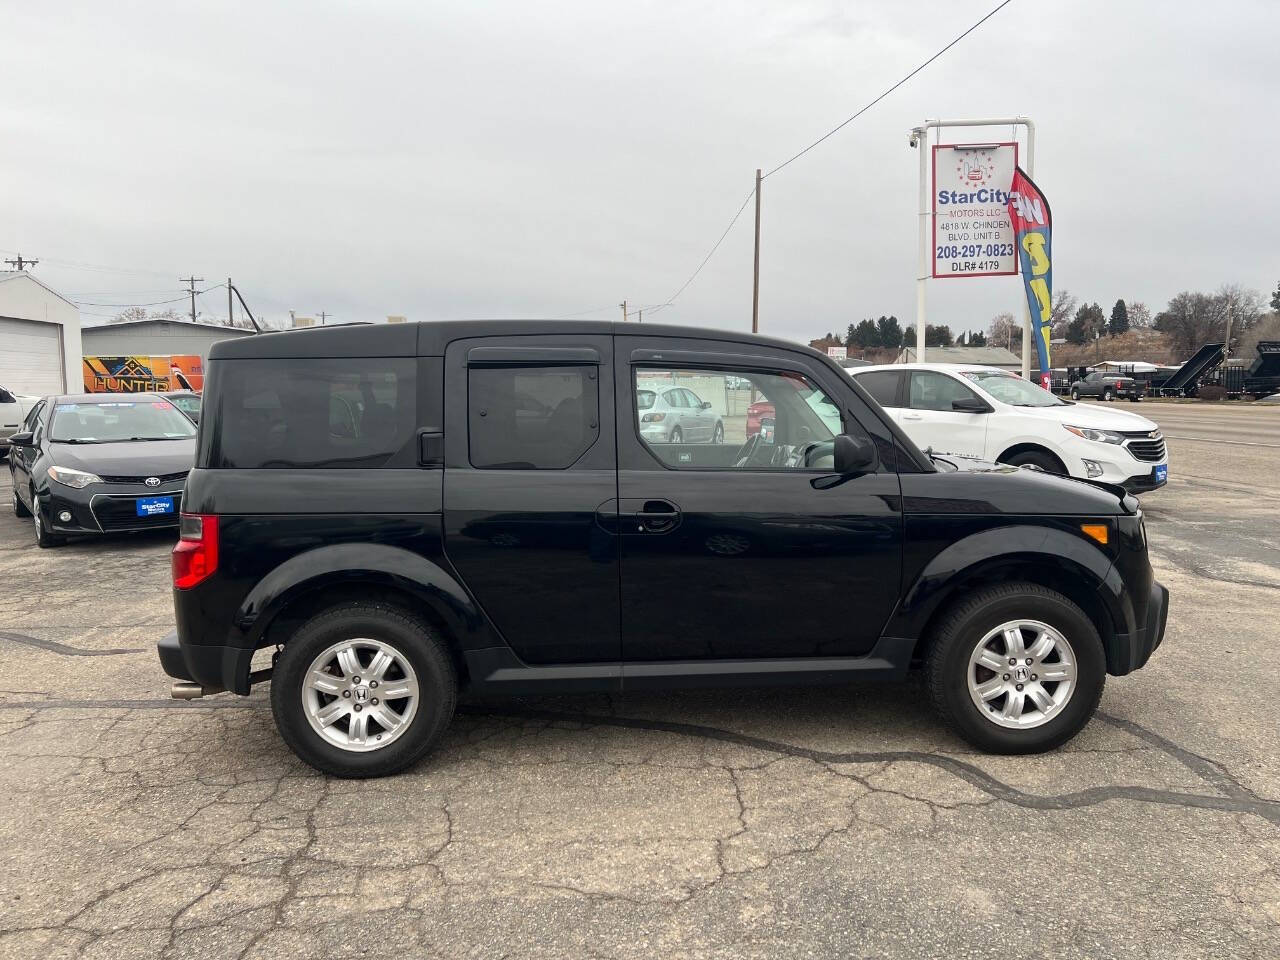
x=1119 y=322
x=865 y=334
x=890 y=331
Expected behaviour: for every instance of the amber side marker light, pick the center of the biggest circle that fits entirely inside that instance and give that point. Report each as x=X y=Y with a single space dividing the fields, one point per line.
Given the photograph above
x=1095 y=531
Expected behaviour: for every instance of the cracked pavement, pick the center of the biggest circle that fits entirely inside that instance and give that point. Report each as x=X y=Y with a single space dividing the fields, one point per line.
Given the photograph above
x=841 y=822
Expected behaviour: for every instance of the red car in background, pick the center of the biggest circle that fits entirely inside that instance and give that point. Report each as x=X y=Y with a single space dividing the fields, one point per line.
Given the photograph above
x=757 y=412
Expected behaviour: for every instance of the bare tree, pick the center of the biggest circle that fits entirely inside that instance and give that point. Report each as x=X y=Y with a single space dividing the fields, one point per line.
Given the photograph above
x=1003 y=330
x=1139 y=314
x=1061 y=311
x=129 y=315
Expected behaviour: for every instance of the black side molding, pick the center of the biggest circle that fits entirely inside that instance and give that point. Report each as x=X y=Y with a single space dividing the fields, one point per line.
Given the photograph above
x=498 y=670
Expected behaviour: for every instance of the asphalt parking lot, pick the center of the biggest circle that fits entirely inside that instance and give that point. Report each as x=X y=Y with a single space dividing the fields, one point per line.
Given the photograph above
x=816 y=823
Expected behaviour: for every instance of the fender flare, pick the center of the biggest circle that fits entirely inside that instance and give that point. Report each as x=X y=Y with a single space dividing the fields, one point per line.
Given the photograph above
x=1003 y=546
x=343 y=564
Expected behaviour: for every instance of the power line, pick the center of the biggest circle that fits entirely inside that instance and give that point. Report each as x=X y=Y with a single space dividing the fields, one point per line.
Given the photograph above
x=840 y=126
x=153 y=303
x=825 y=136
x=709 y=255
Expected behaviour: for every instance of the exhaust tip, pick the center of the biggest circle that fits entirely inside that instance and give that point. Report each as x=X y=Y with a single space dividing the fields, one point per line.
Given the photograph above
x=185 y=690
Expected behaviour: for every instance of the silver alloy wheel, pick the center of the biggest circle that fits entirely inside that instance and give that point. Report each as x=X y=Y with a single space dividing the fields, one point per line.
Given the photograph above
x=1021 y=674
x=360 y=694
x=35 y=518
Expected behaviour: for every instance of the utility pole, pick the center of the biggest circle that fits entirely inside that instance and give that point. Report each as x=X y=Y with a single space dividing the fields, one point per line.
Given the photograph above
x=623 y=305
x=755 y=279
x=640 y=316
x=20 y=264
x=1226 y=342
x=231 y=316
x=191 y=282
x=324 y=316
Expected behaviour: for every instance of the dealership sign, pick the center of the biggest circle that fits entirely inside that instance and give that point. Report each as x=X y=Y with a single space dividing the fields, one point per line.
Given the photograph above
x=838 y=353
x=972 y=229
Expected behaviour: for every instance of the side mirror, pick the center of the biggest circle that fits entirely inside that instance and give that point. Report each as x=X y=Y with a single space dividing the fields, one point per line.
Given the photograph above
x=706 y=404
x=854 y=455
x=970 y=405
x=22 y=439
x=6 y=396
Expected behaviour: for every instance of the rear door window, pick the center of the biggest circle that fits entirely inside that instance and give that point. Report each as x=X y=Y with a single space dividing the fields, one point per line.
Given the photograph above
x=331 y=413
x=532 y=418
x=882 y=385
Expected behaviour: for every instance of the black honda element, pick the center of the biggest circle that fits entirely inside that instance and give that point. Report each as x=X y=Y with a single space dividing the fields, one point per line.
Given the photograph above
x=405 y=512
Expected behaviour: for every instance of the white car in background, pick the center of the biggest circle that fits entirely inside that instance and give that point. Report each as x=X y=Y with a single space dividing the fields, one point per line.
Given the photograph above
x=995 y=415
x=14 y=408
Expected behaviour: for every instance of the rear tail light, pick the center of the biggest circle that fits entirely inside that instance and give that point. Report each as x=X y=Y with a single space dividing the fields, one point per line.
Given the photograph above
x=653 y=418
x=196 y=555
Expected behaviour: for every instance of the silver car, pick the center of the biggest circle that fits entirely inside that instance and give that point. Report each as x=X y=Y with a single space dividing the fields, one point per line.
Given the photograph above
x=677 y=415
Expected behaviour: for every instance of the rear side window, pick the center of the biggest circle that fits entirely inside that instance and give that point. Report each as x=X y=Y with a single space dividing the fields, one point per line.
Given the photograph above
x=333 y=413
x=882 y=385
x=936 y=391
x=532 y=418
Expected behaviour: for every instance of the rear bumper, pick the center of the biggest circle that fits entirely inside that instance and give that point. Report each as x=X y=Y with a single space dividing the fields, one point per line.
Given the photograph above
x=216 y=667
x=1131 y=651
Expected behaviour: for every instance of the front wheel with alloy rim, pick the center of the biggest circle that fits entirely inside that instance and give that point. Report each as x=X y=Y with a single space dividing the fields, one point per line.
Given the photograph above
x=1016 y=668
x=19 y=508
x=1075 y=394
x=718 y=435
x=43 y=537
x=363 y=690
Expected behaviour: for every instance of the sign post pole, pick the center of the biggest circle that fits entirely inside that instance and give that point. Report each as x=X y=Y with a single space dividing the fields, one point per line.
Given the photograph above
x=920 y=141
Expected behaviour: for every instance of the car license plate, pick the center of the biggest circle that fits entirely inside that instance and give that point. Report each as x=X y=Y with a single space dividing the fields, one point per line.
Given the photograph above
x=1161 y=473
x=153 y=506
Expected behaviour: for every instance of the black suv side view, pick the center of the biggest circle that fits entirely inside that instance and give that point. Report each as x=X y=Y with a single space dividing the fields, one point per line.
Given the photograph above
x=402 y=513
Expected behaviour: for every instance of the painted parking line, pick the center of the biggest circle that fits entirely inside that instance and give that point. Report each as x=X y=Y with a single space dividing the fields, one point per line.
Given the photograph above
x=1238 y=443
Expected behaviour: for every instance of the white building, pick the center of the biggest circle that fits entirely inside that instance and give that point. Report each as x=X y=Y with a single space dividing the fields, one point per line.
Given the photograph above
x=155 y=338
x=39 y=336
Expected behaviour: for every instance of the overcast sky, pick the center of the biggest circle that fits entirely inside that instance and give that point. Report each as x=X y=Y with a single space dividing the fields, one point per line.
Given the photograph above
x=461 y=159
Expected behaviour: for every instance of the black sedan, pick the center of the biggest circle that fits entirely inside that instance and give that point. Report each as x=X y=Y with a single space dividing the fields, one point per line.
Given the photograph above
x=100 y=463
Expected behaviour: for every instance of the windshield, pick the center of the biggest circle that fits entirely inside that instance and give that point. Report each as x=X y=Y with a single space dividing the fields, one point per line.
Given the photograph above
x=1012 y=389
x=119 y=420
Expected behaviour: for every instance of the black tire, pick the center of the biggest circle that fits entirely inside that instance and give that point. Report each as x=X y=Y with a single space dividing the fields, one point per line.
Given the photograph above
x=960 y=630
x=1107 y=395
x=1075 y=394
x=677 y=436
x=43 y=537
x=19 y=508
x=412 y=637
x=1037 y=458
x=717 y=435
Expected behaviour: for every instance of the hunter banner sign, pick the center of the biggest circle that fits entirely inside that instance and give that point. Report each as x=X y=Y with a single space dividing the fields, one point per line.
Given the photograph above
x=1033 y=227
x=972 y=231
x=142 y=374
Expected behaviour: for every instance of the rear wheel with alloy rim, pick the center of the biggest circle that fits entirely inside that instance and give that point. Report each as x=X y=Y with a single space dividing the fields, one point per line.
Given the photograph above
x=1075 y=394
x=1016 y=668
x=677 y=435
x=718 y=435
x=1107 y=395
x=363 y=690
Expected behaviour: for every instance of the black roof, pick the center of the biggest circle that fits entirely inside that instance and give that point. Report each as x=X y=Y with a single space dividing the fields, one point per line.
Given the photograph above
x=429 y=338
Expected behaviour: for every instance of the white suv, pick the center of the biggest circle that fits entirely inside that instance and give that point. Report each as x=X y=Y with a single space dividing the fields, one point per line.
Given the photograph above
x=995 y=415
